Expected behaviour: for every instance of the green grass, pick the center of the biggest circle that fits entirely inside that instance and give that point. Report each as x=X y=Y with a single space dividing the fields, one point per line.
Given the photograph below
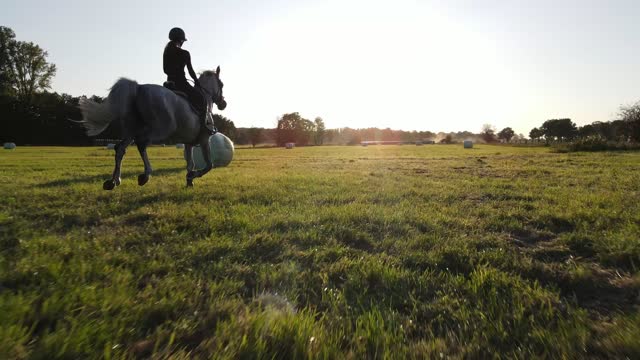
x=325 y=252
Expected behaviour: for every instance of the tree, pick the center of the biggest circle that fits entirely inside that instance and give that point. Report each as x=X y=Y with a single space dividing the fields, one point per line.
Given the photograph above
x=587 y=131
x=29 y=70
x=330 y=134
x=225 y=126
x=293 y=128
x=506 y=134
x=305 y=132
x=488 y=133
x=631 y=116
x=536 y=134
x=7 y=45
x=320 y=130
x=286 y=128
x=255 y=136
x=559 y=129
x=49 y=113
x=603 y=129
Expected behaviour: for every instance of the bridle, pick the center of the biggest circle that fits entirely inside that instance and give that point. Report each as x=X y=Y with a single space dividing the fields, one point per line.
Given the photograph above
x=214 y=97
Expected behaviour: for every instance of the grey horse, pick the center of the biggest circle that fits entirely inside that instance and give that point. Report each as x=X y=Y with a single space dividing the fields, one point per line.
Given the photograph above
x=147 y=113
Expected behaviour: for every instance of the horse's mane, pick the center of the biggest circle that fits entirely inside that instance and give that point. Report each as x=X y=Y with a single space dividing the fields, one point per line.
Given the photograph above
x=208 y=73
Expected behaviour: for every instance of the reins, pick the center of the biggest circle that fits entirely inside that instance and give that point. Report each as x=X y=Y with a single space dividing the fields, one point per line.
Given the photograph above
x=202 y=90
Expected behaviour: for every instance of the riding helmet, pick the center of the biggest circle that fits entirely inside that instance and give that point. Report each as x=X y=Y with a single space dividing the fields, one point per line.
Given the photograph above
x=177 y=34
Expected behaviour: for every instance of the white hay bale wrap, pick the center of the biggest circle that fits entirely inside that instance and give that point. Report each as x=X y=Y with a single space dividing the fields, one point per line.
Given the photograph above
x=221 y=152
x=9 y=146
x=468 y=144
x=179 y=146
x=111 y=146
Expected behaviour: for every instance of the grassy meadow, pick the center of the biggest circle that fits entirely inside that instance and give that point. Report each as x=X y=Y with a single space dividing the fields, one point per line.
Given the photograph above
x=323 y=252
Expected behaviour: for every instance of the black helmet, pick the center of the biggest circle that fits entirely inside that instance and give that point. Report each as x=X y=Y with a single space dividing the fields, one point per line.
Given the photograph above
x=177 y=34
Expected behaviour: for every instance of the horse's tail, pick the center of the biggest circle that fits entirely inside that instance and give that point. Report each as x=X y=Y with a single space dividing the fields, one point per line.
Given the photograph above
x=96 y=117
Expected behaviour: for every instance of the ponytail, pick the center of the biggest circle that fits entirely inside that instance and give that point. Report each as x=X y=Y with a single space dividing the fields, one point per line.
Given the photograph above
x=170 y=43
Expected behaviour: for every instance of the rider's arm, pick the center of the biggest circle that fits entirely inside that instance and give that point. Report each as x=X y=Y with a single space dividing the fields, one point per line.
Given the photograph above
x=190 y=67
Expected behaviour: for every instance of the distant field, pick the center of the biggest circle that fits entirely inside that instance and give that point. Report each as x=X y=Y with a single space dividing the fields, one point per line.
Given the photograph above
x=322 y=252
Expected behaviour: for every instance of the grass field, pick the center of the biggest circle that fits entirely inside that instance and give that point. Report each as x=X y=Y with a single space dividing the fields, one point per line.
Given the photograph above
x=324 y=252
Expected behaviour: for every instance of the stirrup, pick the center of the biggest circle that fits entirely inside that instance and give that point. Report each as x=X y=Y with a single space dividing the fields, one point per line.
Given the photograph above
x=210 y=130
x=204 y=128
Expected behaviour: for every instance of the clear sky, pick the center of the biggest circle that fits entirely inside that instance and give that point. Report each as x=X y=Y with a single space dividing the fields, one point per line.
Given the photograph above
x=439 y=65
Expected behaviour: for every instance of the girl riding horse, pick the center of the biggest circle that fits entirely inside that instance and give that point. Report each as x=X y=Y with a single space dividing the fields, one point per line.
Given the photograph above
x=174 y=61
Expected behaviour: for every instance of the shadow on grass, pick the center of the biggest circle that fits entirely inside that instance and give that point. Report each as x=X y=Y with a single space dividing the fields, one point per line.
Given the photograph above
x=98 y=179
x=592 y=288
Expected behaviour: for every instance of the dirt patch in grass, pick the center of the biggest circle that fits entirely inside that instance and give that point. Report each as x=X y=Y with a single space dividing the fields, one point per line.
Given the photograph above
x=600 y=291
x=528 y=237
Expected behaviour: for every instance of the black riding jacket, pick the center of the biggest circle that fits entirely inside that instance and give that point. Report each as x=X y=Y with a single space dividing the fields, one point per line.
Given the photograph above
x=174 y=61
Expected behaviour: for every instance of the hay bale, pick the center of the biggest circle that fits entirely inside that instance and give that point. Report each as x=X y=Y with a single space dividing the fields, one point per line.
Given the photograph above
x=111 y=146
x=468 y=144
x=179 y=146
x=9 y=146
x=221 y=152
x=289 y=145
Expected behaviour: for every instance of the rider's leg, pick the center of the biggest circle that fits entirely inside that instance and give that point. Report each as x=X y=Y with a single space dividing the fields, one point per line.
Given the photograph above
x=198 y=101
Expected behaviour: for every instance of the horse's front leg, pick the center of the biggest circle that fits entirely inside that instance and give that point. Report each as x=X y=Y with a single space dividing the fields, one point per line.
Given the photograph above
x=191 y=173
x=121 y=149
x=142 y=148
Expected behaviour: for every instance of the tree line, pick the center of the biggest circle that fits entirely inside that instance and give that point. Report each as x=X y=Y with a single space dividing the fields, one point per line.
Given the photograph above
x=291 y=127
x=626 y=129
x=28 y=113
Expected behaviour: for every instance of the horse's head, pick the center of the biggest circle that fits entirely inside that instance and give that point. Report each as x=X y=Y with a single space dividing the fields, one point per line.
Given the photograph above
x=212 y=85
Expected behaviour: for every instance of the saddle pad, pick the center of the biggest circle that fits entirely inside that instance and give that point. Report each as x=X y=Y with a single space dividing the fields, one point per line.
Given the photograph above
x=169 y=85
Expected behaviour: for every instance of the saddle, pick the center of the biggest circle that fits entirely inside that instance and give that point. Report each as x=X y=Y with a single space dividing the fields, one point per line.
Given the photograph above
x=172 y=86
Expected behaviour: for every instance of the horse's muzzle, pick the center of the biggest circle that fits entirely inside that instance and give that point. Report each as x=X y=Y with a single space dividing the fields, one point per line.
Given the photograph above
x=222 y=104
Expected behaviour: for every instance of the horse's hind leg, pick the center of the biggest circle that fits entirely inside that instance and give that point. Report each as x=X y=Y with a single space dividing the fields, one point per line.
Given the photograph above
x=121 y=149
x=142 y=148
x=191 y=173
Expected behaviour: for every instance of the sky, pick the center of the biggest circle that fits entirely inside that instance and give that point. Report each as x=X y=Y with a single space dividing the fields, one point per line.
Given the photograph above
x=438 y=65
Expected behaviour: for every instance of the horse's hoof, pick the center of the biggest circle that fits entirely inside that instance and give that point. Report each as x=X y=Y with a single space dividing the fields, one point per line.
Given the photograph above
x=189 y=182
x=117 y=181
x=108 y=185
x=143 y=179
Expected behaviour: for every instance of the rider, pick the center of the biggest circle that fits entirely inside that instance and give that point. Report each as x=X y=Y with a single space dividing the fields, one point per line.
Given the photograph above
x=174 y=60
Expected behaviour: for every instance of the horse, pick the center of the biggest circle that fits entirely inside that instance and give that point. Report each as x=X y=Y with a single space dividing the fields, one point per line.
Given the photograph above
x=147 y=113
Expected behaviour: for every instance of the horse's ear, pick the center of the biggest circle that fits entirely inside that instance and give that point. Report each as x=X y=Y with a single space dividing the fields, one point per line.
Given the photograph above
x=218 y=70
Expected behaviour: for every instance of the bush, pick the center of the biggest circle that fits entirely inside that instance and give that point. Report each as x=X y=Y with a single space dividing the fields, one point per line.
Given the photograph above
x=596 y=144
